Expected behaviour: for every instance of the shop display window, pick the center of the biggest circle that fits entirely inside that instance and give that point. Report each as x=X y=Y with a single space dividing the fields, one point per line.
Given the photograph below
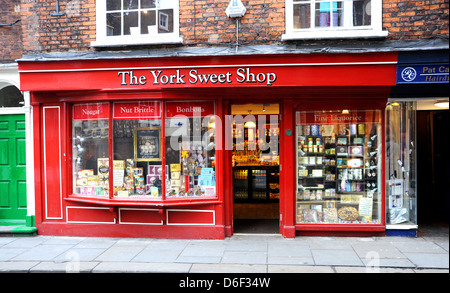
x=150 y=160
x=90 y=130
x=401 y=185
x=190 y=149
x=137 y=164
x=338 y=167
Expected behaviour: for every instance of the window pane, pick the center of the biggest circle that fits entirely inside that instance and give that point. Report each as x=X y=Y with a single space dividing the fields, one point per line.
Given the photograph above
x=113 y=24
x=339 y=165
x=148 y=3
x=329 y=14
x=130 y=4
x=131 y=26
x=113 y=5
x=137 y=150
x=90 y=149
x=302 y=16
x=165 y=21
x=148 y=22
x=190 y=149
x=361 y=12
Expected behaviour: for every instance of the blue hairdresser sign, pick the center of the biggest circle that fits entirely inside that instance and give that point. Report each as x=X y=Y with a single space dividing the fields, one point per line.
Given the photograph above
x=422 y=74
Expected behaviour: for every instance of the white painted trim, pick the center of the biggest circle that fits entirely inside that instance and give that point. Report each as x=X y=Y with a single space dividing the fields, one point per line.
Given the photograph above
x=191 y=224
x=329 y=34
x=45 y=162
x=132 y=223
x=13 y=110
x=401 y=227
x=87 y=222
x=31 y=211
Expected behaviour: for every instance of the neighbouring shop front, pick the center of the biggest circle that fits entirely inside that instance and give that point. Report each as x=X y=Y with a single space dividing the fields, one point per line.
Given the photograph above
x=199 y=147
x=16 y=195
x=417 y=167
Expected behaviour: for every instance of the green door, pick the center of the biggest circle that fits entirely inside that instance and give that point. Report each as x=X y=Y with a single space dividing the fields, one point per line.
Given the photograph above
x=13 y=190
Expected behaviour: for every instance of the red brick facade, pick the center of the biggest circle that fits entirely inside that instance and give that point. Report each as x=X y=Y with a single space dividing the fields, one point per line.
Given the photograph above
x=415 y=19
x=204 y=23
x=10 y=34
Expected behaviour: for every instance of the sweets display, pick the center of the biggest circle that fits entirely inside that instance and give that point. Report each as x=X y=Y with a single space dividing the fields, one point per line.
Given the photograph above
x=337 y=168
x=136 y=169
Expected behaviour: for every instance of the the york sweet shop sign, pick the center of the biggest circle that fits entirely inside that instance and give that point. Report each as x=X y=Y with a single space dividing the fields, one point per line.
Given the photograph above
x=213 y=73
x=196 y=76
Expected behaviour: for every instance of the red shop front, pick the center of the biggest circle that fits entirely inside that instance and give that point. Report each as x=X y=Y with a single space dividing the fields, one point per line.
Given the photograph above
x=166 y=148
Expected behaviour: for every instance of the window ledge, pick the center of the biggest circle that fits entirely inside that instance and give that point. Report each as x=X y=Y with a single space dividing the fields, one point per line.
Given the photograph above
x=105 y=201
x=333 y=34
x=119 y=42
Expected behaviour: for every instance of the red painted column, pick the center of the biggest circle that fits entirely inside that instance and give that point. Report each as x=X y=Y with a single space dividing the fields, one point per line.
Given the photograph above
x=287 y=161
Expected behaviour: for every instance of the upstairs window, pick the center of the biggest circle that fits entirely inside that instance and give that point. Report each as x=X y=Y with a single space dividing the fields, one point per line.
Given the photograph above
x=133 y=22
x=317 y=19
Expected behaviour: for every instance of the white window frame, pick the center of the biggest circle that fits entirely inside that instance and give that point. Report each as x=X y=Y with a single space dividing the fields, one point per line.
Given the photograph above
x=375 y=30
x=102 y=40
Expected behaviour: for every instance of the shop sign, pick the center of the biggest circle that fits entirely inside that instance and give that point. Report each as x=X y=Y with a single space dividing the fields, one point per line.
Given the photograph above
x=195 y=76
x=91 y=111
x=353 y=117
x=137 y=110
x=189 y=109
x=419 y=74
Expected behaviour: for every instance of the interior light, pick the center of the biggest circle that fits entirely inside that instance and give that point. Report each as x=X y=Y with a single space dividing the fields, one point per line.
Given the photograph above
x=250 y=124
x=345 y=112
x=441 y=104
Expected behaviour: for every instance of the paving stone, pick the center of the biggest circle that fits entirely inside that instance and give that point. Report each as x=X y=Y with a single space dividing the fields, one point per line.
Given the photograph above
x=42 y=253
x=241 y=257
x=429 y=260
x=9 y=253
x=419 y=247
x=119 y=253
x=54 y=267
x=299 y=269
x=136 y=267
x=336 y=257
x=228 y=268
x=17 y=266
x=358 y=270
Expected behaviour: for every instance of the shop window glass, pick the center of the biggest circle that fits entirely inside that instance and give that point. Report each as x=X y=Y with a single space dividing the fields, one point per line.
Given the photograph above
x=137 y=159
x=190 y=149
x=401 y=175
x=312 y=19
x=338 y=167
x=140 y=17
x=90 y=131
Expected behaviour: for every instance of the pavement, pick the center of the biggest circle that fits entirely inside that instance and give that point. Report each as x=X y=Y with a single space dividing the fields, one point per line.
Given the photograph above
x=250 y=253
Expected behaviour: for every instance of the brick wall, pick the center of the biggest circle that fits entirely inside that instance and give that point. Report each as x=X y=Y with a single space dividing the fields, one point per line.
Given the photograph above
x=10 y=36
x=204 y=22
x=416 y=19
x=43 y=32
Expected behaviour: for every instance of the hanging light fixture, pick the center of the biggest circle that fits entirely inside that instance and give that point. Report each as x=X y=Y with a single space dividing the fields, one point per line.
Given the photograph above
x=251 y=123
